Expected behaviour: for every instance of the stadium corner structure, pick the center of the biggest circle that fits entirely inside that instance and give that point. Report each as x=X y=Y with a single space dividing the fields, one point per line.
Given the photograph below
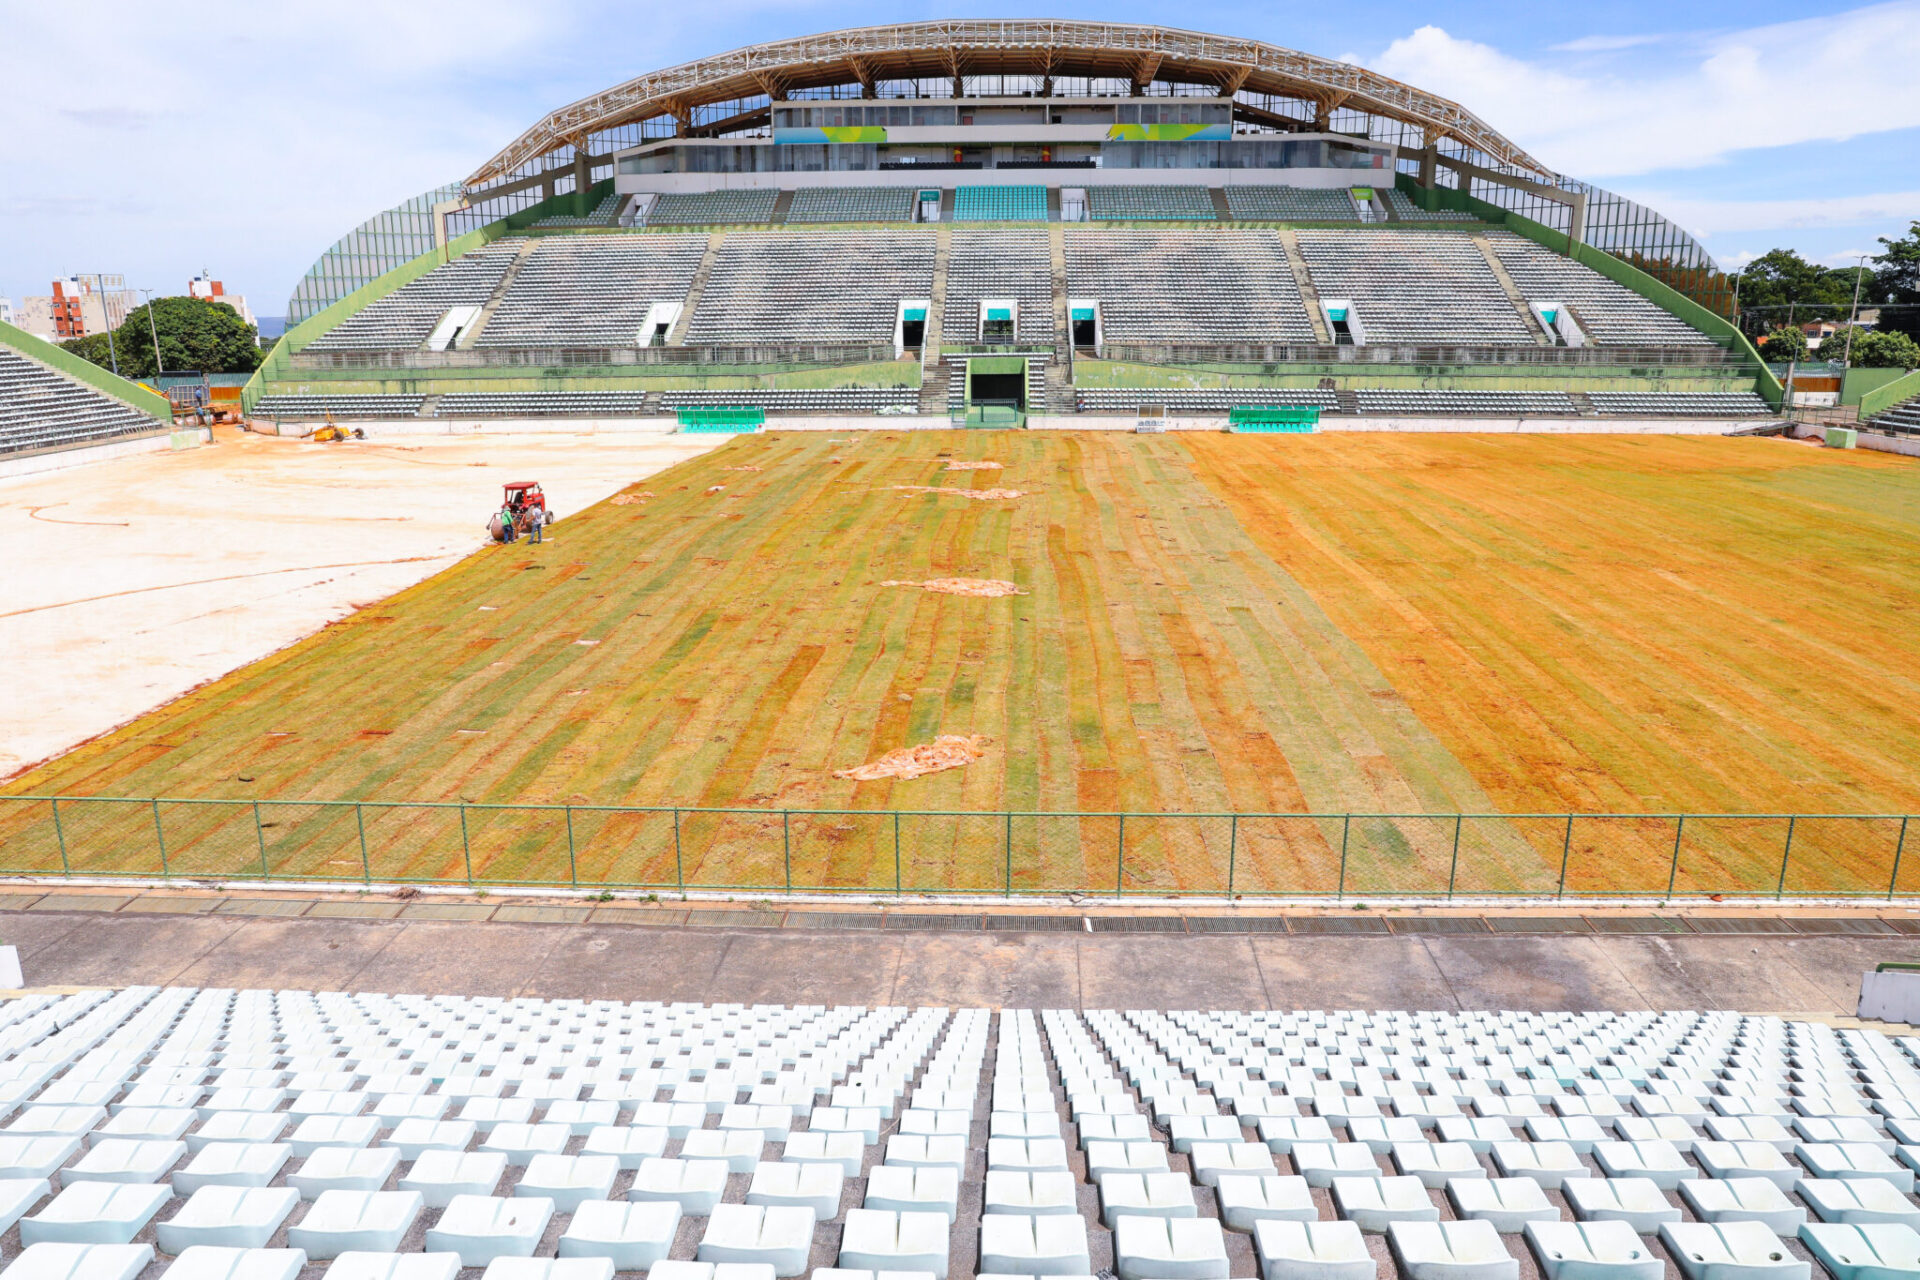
x=1017 y=223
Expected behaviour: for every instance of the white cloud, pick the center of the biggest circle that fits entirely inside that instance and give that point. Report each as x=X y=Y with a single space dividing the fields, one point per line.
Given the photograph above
x=1737 y=92
x=1606 y=44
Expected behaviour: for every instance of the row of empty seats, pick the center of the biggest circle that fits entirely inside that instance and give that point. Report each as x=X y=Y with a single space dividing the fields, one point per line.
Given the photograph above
x=249 y=1134
x=1901 y=417
x=712 y=208
x=1499 y=404
x=1290 y=204
x=540 y=404
x=1406 y=210
x=1680 y=404
x=1009 y=263
x=407 y=317
x=798 y=399
x=44 y=409
x=1611 y=313
x=604 y=214
x=1188 y=286
x=852 y=204
x=776 y=286
x=1182 y=400
x=1150 y=204
x=339 y=406
x=592 y=291
x=1414 y=287
x=1000 y=204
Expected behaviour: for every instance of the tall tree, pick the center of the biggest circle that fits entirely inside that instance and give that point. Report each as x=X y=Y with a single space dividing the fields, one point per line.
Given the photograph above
x=1898 y=274
x=194 y=334
x=1782 y=276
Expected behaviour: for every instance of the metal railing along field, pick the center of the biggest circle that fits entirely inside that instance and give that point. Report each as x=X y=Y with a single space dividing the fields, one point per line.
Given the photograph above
x=768 y=851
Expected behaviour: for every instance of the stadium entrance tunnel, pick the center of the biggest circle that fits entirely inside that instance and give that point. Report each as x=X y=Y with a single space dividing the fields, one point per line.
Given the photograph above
x=996 y=391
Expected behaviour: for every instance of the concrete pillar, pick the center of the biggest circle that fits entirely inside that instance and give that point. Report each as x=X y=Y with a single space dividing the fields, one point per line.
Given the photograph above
x=582 y=178
x=1429 y=160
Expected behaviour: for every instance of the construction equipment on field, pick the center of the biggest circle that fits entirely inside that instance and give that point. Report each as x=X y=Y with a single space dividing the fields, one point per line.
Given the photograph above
x=520 y=497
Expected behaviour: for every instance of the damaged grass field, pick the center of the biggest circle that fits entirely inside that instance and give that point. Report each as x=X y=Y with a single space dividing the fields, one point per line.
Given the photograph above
x=1031 y=621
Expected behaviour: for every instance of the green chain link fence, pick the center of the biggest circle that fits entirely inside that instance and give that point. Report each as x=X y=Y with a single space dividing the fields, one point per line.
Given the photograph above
x=1340 y=856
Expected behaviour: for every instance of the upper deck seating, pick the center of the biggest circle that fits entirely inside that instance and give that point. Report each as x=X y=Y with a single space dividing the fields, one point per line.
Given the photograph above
x=592 y=290
x=1414 y=286
x=1290 y=204
x=1149 y=204
x=1000 y=204
x=713 y=208
x=998 y=263
x=1188 y=286
x=406 y=317
x=851 y=204
x=1407 y=211
x=1613 y=314
x=822 y=286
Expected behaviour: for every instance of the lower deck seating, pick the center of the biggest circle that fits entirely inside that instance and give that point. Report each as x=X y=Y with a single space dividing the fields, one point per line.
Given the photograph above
x=799 y=399
x=1149 y=204
x=1179 y=1144
x=406 y=318
x=1494 y=404
x=1290 y=204
x=1209 y=401
x=1414 y=286
x=1681 y=404
x=1901 y=417
x=41 y=408
x=1612 y=314
x=540 y=404
x=712 y=208
x=1008 y=262
x=852 y=204
x=293 y=406
x=1000 y=204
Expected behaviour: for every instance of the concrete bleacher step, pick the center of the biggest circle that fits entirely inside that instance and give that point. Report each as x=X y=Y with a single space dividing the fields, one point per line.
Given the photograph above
x=782 y=205
x=695 y=289
x=499 y=295
x=1512 y=290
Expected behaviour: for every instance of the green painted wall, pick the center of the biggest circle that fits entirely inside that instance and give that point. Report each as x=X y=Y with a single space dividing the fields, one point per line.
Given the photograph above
x=892 y=373
x=1858 y=382
x=1106 y=373
x=1885 y=397
x=104 y=381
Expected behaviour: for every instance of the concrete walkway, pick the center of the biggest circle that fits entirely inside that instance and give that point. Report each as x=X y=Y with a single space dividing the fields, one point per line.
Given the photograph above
x=1761 y=964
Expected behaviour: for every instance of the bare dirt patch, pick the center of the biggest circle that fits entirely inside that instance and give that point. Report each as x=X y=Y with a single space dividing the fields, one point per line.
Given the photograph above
x=948 y=751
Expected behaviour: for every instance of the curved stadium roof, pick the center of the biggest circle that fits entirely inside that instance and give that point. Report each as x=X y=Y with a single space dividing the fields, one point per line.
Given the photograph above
x=914 y=50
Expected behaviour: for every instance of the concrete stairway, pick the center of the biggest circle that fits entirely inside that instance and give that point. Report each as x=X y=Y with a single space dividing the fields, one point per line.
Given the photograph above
x=678 y=337
x=499 y=295
x=1512 y=291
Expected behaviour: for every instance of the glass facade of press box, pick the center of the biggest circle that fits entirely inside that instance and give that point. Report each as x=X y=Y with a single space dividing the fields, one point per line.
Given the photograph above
x=1307 y=153
x=375 y=247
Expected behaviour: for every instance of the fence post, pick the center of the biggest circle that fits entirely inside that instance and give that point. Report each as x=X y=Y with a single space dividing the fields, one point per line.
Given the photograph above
x=1346 y=826
x=896 y=851
x=1233 y=850
x=1009 y=892
x=1673 y=875
x=1120 y=860
x=1893 y=880
x=366 y=865
x=466 y=846
x=573 y=866
x=679 y=867
x=1455 y=865
x=66 y=869
x=260 y=838
x=1566 y=847
x=161 y=836
x=1780 y=890
x=786 y=844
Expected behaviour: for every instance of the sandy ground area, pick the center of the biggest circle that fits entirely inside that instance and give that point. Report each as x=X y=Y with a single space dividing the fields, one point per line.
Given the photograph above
x=132 y=581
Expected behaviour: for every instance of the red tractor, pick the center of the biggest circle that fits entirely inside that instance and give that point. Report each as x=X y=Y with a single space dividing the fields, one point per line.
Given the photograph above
x=520 y=497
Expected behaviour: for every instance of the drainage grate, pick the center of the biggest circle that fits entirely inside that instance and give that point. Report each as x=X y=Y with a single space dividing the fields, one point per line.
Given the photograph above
x=1739 y=924
x=1035 y=924
x=1439 y=924
x=1138 y=924
x=1338 y=924
x=1637 y=924
x=1536 y=924
x=1236 y=924
x=835 y=920
x=735 y=919
x=945 y=924
x=1840 y=924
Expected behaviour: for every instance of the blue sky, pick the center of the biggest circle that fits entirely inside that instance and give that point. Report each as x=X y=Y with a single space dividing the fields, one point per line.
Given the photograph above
x=157 y=140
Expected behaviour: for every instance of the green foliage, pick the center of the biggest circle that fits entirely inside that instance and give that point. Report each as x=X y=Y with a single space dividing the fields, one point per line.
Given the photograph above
x=194 y=334
x=1784 y=344
x=1782 y=276
x=1874 y=349
x=1898 y=273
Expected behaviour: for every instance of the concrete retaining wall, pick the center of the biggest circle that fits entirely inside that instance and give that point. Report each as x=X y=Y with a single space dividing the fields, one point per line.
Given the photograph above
x=1907 y=445
x=63 y=459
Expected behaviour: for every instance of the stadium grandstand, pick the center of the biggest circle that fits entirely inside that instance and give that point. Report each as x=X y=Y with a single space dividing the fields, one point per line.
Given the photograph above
x=878 y=220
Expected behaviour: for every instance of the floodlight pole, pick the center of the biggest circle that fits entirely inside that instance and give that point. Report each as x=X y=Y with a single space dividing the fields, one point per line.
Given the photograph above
x=158 y=367
x=1846 y=359
x=100 y=284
